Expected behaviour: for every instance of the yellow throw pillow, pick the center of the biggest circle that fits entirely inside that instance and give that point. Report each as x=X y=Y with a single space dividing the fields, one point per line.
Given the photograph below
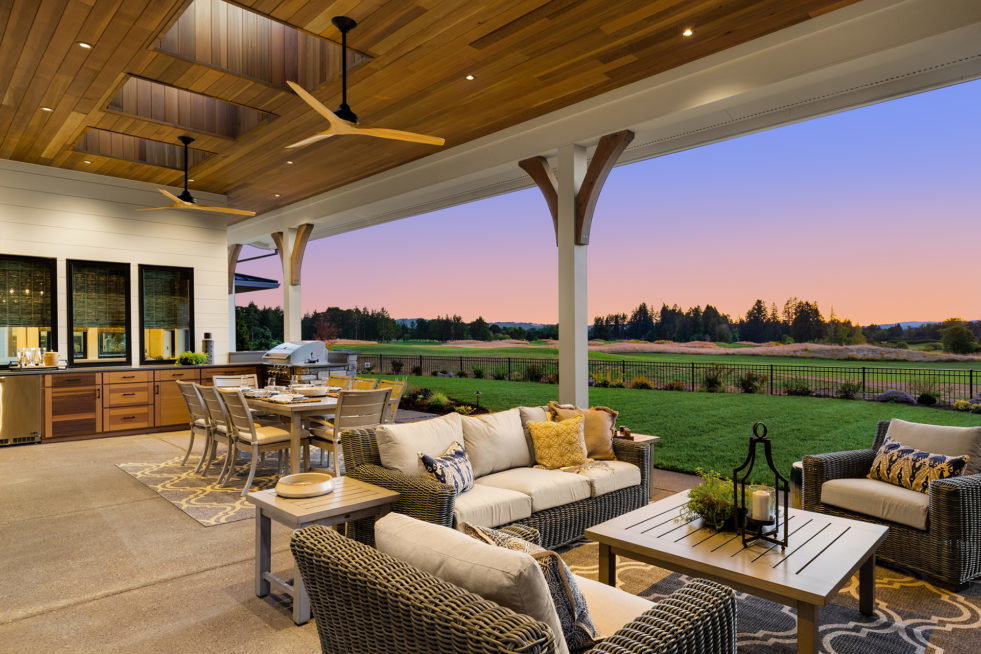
x=902 y=465
x=559 y=444
x=597 y=428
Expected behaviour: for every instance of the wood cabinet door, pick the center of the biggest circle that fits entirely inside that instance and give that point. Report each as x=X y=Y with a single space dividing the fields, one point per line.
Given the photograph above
x=73 y=411
x=169 y=407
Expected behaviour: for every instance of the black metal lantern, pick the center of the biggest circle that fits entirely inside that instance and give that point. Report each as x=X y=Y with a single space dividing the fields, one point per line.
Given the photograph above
x=761 y=518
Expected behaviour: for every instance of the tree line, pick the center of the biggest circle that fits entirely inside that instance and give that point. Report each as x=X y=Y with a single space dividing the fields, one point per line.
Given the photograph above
x=798 y=321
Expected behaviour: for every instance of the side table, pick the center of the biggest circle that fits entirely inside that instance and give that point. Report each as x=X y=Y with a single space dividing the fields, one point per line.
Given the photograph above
x=350 y=500
x=644 y=438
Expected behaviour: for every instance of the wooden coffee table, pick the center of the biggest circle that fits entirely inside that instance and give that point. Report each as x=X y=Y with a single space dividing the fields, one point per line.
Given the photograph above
x=350 y=500
x=823 y=553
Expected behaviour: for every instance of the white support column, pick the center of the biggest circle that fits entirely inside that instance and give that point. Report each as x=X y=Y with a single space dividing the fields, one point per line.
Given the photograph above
x=573 y=317
x=292 y=314
x=232 y=345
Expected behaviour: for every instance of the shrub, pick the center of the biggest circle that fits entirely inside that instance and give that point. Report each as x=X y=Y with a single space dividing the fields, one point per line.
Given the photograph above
x=752 y=382
x=397 y=366
x=617 y=382
x=417 y=371
x=894 y=395
x=849 y=390
x=641 y=382
x=191 y=359
x=460 y=373
x=797 y=386
x=464 y=409
x=675 y=385
x=713 y=379
x=534 y=373
x=962 y=405
x=477 y=372
x=902 y=345
x=601 y=380
x=976 y=408
x=926 y=399
x=711 y=500
x=425 y=393
x=439 y=402
x=499 y=373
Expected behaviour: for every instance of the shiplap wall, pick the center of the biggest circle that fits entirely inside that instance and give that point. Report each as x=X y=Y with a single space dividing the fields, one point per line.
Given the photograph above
x=51 y=212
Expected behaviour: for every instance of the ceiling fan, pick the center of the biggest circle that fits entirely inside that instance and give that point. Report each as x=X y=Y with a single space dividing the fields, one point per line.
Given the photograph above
x=186 y=201
x=343 y=121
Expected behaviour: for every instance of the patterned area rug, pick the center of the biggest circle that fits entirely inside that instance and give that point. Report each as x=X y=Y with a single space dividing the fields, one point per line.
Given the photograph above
x=199 y=495
x=911 y=615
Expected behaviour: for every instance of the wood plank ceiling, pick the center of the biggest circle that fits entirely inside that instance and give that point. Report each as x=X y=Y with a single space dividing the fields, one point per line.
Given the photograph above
x=528 y=57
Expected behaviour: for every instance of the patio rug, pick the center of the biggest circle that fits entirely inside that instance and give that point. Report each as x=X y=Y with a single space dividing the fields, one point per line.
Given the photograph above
x=911 y=615
x=200 y=496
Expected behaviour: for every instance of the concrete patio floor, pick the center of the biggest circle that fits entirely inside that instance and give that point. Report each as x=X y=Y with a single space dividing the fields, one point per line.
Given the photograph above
x=94 y=561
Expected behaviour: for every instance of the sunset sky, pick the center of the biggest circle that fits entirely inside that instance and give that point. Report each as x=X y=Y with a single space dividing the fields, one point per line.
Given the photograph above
x=873 y=212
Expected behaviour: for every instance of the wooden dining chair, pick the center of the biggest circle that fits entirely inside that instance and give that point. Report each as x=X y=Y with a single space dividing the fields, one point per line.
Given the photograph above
x=355 y=409
x=249 y=437
x=233 y=381
x=344 y=381
x=398 y=389
x=364 y=384
x=199 y=421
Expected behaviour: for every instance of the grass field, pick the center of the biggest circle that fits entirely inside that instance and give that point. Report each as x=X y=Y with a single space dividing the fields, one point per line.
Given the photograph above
x=433 y=349
x=710 y=430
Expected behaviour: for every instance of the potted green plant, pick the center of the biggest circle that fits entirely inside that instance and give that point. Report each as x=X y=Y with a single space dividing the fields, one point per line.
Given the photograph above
x=711 y=500
x=191 y=359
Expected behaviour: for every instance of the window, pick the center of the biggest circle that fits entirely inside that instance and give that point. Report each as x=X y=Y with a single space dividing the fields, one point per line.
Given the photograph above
x=166 y=312
x=27 y=306
x=98 y=312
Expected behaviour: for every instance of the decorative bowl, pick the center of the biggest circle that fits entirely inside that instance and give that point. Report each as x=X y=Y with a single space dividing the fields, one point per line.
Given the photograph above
x=312 y=391
x=306 y=484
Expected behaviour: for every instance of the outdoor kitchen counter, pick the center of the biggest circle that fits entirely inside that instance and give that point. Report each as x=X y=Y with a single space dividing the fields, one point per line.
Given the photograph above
x=55 y=371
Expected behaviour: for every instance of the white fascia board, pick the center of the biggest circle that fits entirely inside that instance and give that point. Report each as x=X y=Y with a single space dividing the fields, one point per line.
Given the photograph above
x=864 y=53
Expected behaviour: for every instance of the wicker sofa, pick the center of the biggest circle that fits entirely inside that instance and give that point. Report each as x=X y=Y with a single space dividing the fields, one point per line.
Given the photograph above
x=429 y=500
x=366 y=601
x=945 y=545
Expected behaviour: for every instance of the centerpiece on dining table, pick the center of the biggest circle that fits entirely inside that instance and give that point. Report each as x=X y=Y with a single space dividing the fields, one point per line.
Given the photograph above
x=758 y=511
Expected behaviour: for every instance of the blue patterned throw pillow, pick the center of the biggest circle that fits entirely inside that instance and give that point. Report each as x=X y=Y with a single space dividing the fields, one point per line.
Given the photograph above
x=451 y=467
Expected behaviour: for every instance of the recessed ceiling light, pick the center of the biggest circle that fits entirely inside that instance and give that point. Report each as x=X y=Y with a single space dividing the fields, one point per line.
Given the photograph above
x=86 y=162
x=289 y=162
x=688 y=32
x=46 y=109
x=190 y=180
x=470 y=77
x=276 y=196
x=84 y=45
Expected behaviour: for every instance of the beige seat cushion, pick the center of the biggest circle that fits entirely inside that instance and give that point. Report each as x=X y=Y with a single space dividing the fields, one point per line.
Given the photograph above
x=608 y=476
x=267 y=434
x=546 y=488
x=489 y=506
x=939 y=439
x=609 y=607
x=399 y=445
x=496 y=442
x=512 y=579
x=878 y=499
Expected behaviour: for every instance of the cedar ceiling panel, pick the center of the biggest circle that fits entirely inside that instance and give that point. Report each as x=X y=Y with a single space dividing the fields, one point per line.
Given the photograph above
x=530 y=57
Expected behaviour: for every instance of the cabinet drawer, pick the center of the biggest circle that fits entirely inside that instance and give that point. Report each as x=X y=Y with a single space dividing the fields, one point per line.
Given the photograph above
x=125 y=417
x=70 y=380
x=127 y=377
x=183 y=374
x=127 y=394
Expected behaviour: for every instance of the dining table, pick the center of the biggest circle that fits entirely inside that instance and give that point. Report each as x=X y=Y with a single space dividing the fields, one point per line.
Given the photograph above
x=296 y=411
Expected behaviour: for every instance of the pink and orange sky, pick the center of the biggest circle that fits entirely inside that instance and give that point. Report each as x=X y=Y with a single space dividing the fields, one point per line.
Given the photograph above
x=874 y=212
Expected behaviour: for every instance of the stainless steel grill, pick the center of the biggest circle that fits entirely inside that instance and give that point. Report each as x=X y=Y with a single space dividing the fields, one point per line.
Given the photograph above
x=308 y=360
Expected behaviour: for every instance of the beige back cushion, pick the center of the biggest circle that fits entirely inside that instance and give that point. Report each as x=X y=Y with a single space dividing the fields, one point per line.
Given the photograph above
x=399 y=444
x=531 y=414
x=496 y=442
x=509 y=578
x=938 y=439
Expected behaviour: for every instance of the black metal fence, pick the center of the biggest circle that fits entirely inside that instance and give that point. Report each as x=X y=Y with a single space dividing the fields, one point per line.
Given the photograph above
x=860 y=382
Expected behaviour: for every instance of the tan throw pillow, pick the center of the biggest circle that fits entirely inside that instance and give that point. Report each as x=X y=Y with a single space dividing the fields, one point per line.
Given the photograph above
x=559 y=444
x=597 y=429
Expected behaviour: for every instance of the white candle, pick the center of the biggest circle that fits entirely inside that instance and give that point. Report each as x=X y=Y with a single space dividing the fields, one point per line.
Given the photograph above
x=761 y=505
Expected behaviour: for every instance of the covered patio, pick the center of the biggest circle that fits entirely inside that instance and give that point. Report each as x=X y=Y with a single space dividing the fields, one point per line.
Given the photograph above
x=549 y=95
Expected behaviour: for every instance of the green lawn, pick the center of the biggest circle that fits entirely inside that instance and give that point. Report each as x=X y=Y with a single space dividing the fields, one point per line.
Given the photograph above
x=431 y=349
x=709 y=430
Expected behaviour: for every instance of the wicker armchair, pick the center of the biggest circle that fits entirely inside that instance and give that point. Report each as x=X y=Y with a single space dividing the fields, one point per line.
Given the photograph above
x=432 y=501
x=366 y=601
x=948 y=552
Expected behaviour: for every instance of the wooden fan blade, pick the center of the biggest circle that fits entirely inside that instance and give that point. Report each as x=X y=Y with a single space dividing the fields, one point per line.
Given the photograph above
x=172 y=206
x=316 y=104
x=312 y=139
x=399 y=135
x=171 y=196
x=204 y=207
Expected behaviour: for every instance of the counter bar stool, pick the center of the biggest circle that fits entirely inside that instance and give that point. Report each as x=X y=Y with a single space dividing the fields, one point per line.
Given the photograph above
x=355 y=409
x=200 y=421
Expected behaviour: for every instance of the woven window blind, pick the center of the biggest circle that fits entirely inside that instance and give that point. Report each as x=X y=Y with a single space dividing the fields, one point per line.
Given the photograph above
x=26 y=287
x=166 y=298
x=99 y=295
